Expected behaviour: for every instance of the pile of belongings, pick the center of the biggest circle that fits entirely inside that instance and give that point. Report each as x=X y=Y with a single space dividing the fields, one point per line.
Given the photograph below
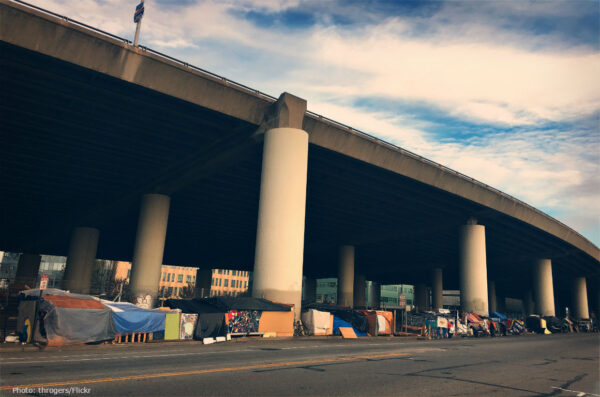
x=344 y=317
x=557 y=325
x=223 y=315
x=63 y=318
x=537 y=324
x=477 y=325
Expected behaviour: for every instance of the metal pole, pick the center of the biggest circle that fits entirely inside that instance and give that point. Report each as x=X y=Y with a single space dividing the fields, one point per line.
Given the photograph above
x=137 y=30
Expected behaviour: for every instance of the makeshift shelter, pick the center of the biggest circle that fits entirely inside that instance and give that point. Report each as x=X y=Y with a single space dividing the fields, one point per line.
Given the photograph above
x=130 y=318
x=318 y=322
x=358 y=320
x=64 y=318
x=339 y=323
x=218 y=316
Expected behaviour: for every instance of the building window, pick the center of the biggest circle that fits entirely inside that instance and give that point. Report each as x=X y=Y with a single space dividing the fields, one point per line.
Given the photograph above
x=180 y=278
x=188 y=278
x=164 y=275
x=128 y=273
x=226 y=282
x=245 y=284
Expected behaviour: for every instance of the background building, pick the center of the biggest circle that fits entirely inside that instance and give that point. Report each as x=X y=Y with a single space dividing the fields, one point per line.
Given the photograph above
x=229 y=282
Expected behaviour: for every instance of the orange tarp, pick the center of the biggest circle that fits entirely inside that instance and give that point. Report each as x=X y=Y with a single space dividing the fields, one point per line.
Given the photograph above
x=73 y=303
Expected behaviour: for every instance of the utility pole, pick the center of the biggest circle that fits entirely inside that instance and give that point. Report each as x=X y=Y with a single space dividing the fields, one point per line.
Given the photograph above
x=137 y=18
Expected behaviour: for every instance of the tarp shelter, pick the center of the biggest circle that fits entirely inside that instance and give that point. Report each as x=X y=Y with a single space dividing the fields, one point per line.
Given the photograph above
x=318 y=322
x=358 y=320
x=339 y=323
x=130 y=318
x=218 y=316
x=64 y=318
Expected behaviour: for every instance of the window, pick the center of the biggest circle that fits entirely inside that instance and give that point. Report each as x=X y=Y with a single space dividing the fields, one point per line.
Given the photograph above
x=188 y=278
x=164 y=275
x=169 y=291
x=213 y=281
x=226 y=282
x=194 y=278
x=245 y=284
x=128 y=273
x=220 y=271
x=220 y=280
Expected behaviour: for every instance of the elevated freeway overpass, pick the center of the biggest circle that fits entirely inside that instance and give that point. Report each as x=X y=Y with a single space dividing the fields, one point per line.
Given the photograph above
x=120 y=152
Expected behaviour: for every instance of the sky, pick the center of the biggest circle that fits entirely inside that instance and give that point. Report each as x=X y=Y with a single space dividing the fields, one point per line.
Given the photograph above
x=506 y=92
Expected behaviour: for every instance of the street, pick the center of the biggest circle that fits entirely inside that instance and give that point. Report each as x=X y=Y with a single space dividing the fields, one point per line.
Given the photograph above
x=531 y=365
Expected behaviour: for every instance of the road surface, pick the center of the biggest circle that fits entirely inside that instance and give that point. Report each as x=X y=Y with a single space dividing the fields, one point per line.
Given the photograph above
x=530 y=365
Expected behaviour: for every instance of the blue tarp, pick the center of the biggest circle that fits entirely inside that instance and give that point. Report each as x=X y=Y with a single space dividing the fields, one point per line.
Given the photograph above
x=129 y=318
x=501 y=316
x=338 y=322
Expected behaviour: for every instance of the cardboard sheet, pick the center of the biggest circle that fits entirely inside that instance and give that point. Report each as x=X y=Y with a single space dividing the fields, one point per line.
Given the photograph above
x=347 y=333
x=281 y=323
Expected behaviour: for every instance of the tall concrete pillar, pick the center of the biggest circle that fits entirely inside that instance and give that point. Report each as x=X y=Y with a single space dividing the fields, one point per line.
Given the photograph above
x=421 y=297
x=281 y=211
x=492 y=297
x=473 y=269
x=543 y=287
x=528 y=303
x=345 y=293
x=149 y=249
x=81 y=260
x=310 y=290
x=203 y=282
x=27 y=270
x=375 y=295
x=580 y=299
x=437 y=289
x=360 y=286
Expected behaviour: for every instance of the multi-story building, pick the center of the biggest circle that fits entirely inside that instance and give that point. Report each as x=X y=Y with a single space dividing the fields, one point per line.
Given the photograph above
x=229 y=282
x=175 y=281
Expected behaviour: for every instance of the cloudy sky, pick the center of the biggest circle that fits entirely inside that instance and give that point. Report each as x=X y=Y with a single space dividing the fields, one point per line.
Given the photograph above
x=507 y=92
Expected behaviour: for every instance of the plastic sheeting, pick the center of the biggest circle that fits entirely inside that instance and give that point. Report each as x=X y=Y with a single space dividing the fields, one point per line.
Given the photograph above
x=317 y=322
x=358 y=320
x=339 y=323
x=64 y=326
x=130 y=318
x=210 y=325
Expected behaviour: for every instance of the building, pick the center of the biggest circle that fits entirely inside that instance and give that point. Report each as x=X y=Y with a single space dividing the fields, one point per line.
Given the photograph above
x=229 y=282
x=390 y=295
x=327 y=290
x=178 y=281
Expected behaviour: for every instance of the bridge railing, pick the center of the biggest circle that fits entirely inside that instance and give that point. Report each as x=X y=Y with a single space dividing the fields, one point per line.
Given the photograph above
x=310 y=113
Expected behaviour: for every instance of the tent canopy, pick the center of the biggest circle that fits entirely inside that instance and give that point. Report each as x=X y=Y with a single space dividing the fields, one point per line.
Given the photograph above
x=129 y=318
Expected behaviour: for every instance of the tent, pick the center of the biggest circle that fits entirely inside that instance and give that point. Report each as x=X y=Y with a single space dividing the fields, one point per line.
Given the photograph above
x=339 y=323
x=358 y=320
x=318 y=322
x=130 y=318
x=64 y=318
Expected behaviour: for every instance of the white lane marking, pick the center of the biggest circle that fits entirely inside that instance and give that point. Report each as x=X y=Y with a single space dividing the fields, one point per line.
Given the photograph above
x=579 y=393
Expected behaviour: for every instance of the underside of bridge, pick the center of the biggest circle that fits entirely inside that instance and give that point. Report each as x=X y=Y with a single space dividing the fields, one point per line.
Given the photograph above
x=79 y=148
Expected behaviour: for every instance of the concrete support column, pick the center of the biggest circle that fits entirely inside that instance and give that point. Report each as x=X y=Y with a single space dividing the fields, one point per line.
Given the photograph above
x=375 y=295
x=27 y=270
x=280 y=232
x=80 y=260
x=149 y=249
x=345 y=293
x=310 y=290
x=437 y=289
x=543 y=287
x=360 y=286
x=203 y=283
x=528 y=303
x=473 y=269
x=580 y=299
x=492 y=297
x=421 y=297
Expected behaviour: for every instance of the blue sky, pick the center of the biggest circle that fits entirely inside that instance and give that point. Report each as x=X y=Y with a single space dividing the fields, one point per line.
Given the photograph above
x=507 y=92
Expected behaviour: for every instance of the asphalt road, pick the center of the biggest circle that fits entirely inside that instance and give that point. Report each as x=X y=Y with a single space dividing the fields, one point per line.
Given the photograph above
x=531 y=365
